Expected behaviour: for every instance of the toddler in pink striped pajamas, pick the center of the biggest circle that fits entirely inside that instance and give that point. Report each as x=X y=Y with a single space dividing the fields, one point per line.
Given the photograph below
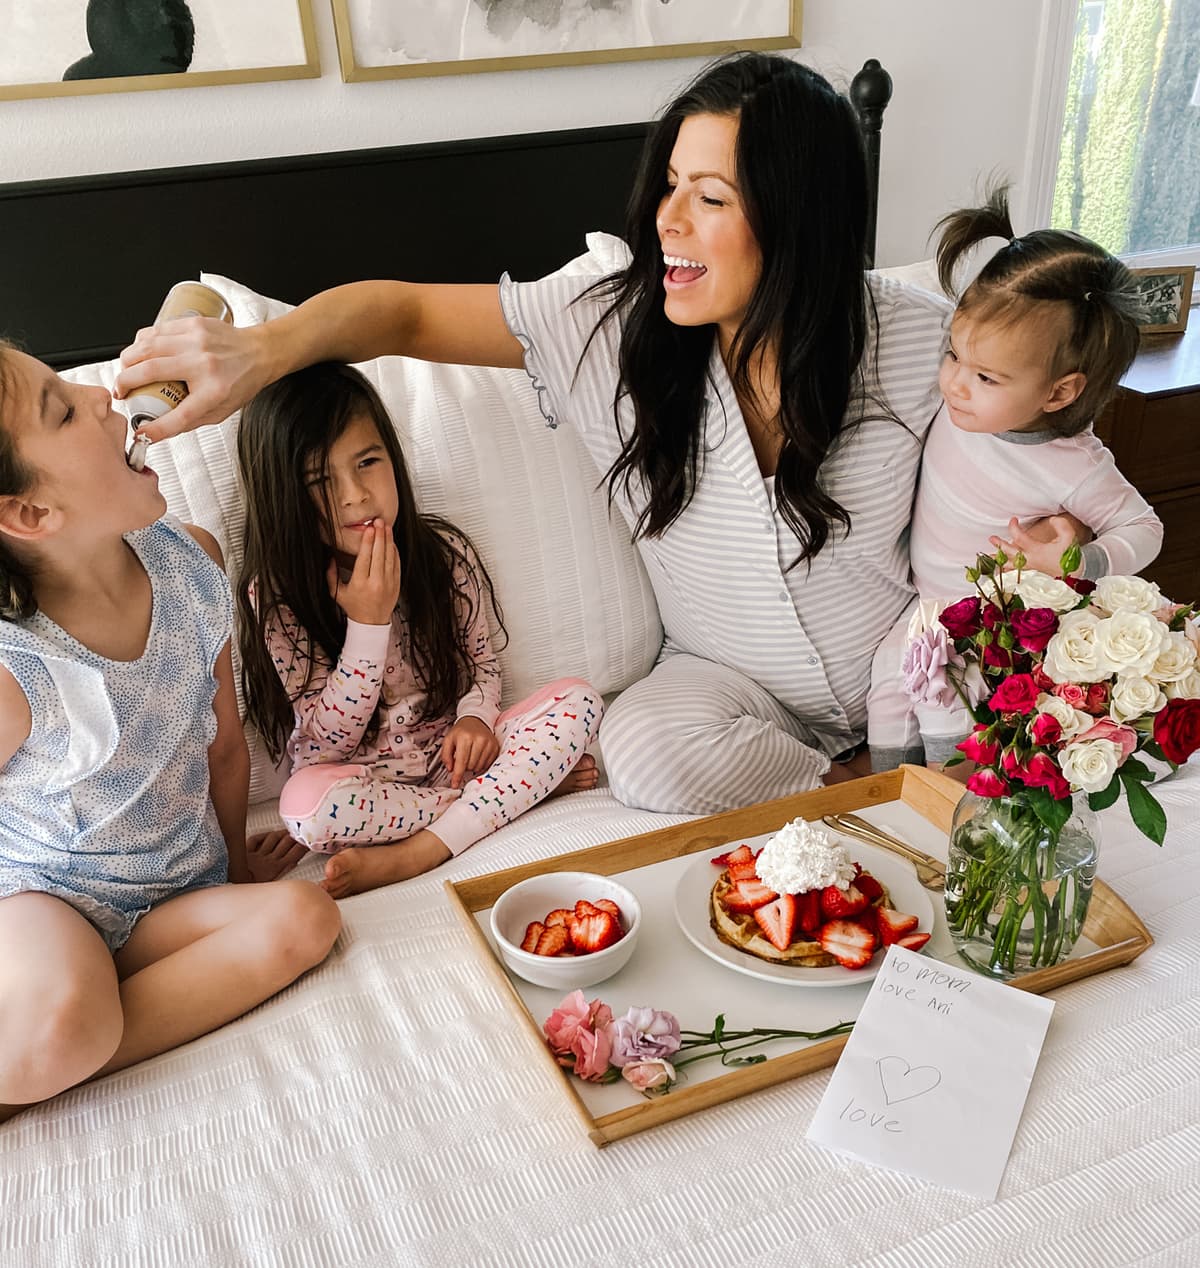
x=366 y=649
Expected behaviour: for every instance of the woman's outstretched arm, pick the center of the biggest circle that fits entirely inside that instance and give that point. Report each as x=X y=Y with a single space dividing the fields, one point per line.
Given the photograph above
x=224 y=366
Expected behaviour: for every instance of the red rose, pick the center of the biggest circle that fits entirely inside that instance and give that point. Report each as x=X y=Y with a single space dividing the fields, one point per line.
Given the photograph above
x=977 y=749
x=1043 y=679
x=1177 y=729
x=991 y=616
x=1034 y=627
x=1045 y=729
x=1079 y=585
x=1041 y=772
x=1010 y=764
x=995 y=655
x=986 y=783
x=1097 y=698
x=1017 y=694
x=961 y=619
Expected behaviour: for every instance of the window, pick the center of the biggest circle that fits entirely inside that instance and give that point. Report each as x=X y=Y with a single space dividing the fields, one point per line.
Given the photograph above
x=1128 y=169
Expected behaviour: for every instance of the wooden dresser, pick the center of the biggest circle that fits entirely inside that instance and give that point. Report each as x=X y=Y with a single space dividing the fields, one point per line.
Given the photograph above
x=1153 y=430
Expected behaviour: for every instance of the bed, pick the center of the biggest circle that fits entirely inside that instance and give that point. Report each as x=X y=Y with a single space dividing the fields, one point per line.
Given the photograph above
x=383 y=1110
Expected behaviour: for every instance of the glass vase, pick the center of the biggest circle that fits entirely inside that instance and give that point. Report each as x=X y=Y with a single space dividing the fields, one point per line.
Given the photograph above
x=1017 y=893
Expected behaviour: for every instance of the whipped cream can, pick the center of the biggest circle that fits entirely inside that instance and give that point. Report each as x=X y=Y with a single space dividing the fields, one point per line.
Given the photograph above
x=184 y=299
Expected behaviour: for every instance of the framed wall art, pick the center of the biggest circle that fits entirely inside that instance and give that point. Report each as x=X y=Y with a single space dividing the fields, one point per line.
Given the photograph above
x=1167 y=294
x=380 y=39
x=95 y=46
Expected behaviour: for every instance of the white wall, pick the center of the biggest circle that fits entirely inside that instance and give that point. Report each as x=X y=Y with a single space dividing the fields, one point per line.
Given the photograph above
x=964 y=75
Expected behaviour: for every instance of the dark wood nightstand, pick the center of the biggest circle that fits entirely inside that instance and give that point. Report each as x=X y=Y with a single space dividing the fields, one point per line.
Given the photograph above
x=1153 y=430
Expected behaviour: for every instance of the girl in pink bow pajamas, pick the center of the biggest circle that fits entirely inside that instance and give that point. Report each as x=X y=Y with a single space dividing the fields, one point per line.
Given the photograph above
x=366 y=652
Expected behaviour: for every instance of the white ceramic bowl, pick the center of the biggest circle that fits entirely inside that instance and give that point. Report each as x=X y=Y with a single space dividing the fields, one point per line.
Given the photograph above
x=534 y=899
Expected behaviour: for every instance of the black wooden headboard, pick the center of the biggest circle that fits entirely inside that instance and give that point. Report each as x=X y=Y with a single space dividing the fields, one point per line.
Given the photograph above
x=85 y=261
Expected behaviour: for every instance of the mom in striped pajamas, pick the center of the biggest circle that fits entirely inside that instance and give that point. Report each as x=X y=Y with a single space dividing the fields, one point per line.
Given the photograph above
x=757 y=404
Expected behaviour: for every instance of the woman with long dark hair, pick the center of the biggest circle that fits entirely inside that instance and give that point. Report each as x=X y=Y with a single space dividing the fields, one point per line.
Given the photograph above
x=758 y=407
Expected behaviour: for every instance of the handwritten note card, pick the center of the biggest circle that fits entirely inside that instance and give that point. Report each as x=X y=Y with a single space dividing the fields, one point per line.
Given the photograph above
x=935 y=1075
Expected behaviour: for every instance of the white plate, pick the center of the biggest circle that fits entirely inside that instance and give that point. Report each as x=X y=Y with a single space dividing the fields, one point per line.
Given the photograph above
x=691 y=911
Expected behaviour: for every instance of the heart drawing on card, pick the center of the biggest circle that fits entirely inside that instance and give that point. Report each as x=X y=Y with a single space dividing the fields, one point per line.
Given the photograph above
x=903 y=1082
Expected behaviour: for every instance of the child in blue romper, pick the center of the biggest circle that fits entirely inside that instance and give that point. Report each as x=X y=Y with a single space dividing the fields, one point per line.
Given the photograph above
x=123 y=769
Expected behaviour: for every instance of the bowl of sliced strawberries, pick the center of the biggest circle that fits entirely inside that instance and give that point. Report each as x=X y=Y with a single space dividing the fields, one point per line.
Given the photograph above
x=566 y=929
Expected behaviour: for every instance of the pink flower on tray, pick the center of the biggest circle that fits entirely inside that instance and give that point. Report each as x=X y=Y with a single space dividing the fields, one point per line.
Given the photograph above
x=651 y=1075
x=570 y=1017
x=643 y=1034
x=1124 y=737
x=1016 y=694
x=591 y=1050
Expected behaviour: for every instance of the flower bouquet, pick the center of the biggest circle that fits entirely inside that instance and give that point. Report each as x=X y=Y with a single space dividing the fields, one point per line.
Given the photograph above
x=1070 y=684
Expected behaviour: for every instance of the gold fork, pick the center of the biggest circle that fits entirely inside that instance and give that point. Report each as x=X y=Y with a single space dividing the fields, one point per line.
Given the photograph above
x=931 y=872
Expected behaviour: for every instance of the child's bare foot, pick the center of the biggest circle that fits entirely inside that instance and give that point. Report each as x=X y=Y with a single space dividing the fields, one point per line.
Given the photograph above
x=584 y=776
x=360 y=868
x=270 y=855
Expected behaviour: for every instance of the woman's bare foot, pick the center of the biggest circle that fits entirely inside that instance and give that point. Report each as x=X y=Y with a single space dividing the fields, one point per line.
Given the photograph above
x=360 y=868
x=584 y=776
x=270 y=855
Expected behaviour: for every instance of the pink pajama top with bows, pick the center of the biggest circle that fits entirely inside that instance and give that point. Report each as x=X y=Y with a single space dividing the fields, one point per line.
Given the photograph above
x=333 y=712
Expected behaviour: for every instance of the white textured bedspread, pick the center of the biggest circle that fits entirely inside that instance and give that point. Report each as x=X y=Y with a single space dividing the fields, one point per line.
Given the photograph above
x=385 y=1111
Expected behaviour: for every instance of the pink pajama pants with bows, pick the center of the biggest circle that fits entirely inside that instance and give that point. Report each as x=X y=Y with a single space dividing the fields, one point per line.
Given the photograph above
x=329 y=806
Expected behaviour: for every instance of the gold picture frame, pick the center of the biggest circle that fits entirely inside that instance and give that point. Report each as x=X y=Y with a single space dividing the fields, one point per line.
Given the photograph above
x=786 y=15
x=1167 y=291
x=40 y=37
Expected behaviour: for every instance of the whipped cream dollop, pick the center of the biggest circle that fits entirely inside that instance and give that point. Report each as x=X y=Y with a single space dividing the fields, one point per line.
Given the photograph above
x=802 y=856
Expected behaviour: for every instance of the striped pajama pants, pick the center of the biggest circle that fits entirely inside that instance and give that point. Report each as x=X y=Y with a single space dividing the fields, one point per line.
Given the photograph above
x=331 y=805
x=696 y=737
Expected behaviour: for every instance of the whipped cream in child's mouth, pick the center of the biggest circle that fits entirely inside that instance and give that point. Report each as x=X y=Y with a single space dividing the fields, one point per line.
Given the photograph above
x=801 y=856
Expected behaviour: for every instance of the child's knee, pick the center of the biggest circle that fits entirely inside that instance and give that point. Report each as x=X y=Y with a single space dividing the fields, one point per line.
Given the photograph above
x=309 y=795
x=306 y=923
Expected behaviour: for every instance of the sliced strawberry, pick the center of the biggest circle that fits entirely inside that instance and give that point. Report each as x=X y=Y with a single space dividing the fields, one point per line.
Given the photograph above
x=533 y=932
x=778 y=921
x=838 y=904
x=749 y=896
x=808 y=911
x=559 y=916
x=893 y=925
x=868 y=886
x=913 y=941
x=720 y=860
x=584 y=908
x=594 y=933
x=870 y=922
x=607 y=904
x=554 y=941
x=747 y=871
x=851 y=945
x=743 y=854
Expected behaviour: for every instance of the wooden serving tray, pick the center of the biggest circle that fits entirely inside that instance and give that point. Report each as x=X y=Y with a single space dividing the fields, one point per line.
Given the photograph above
x=1112 y=929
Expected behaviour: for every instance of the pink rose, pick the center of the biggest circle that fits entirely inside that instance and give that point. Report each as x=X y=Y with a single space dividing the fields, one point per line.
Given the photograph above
x=1041 y=772
x=1071 y=692
x=1097 y=698
x=571 y=1016
x=1124 y=737
x=591 y=1050
x=978 y=749
x=1011 y=765
x=643 y=1034
x=961 y=619
x=651 y=1075
x=1016 y=694
x=1034 y=627
x=926 y=662
x=1043 y=679
x=1045 y=729
x=986 y=783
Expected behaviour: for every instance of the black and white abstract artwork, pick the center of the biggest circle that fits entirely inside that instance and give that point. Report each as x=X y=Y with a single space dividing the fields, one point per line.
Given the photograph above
x=54 y=46
x=437 y=33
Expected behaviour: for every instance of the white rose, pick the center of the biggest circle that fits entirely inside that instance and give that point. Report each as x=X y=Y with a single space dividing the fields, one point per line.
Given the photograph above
x=1073 y=721
x=1177 y=659
x=1185 y=689
x=1132 y=697
x=1072 y=654
x=1131 y=642
x=1037 y=590
x=1090 y=764
x=1126 y=594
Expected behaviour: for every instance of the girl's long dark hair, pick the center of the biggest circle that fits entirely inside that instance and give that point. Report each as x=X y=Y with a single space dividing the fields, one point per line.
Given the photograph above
x=286 y=433
x=802 y=176
x=16 y=584
x=1095 y=292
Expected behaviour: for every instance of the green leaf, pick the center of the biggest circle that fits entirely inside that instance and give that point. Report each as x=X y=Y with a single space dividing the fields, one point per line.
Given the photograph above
x=957 y=760
x=1106 y=796
x=1005 y=638
x=1149 y=816
x=1131 y=768
x=1178 y=621
x=1072 y=557
x=718 y=1028
x=1153 y=749
x=1052 y=812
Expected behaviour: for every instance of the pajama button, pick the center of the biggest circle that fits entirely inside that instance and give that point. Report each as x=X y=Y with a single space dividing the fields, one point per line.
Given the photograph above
x=783 y=596
x=812 y=660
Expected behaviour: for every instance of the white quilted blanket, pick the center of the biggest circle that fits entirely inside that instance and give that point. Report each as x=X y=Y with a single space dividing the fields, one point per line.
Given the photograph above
x=384 y=1111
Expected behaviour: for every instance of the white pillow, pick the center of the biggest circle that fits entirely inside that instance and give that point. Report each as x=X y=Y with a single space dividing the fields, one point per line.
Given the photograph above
x=575 y=597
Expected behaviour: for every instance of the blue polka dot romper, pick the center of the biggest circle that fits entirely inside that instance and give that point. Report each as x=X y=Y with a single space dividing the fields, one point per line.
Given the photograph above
x=106 y=803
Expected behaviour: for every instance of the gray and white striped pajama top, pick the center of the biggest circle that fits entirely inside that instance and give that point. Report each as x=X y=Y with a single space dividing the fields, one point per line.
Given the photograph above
x=764 y=672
